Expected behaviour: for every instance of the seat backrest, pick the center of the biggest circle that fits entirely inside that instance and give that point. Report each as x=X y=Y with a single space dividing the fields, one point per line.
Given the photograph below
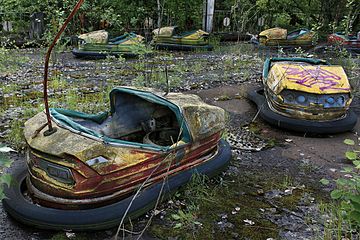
x=130 y=112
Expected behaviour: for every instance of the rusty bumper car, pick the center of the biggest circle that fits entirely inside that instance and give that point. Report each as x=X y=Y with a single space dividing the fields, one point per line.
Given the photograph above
x=85 y=176
x=168 y=38
x=338 y=42
x=305 y=95
x=275 y=37
x=350 y=42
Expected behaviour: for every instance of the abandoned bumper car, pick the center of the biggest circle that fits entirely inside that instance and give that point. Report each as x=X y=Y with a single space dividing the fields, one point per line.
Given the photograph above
x=305 y=95
x=98 y=45
x=350 y=42
x=275 y=37
x=85 y=175
x=168 y=38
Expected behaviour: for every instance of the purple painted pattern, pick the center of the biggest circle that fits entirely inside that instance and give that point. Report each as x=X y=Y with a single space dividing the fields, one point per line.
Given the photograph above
x=322 y=78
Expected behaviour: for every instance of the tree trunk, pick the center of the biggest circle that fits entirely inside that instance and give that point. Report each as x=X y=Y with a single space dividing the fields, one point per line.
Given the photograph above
x=159 y=14
x=209 y=14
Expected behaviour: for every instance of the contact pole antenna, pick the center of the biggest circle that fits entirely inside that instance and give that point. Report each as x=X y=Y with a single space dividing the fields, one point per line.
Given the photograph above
x=52 y=129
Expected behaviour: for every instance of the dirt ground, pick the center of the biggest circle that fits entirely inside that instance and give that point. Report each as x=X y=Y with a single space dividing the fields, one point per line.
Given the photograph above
x=276 y=189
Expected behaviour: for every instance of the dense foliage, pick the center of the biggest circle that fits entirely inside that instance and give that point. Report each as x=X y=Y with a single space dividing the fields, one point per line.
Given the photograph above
x=140 y=15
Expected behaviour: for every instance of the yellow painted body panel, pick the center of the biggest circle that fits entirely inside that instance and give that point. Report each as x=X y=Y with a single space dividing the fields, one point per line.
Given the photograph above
x=164 y=31
x=319 y=79
x=170 y=35
x=100 y=36
x=196 y=35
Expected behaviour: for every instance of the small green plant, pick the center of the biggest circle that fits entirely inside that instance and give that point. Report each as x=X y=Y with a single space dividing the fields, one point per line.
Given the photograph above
x=287 y=182
x=184 y=219
x=196 y=192
x=347 y=189
x=299 y=50
x=228 y=63
x=3 y=55
x=281 y=51
x=58 y=83
x=225 y=135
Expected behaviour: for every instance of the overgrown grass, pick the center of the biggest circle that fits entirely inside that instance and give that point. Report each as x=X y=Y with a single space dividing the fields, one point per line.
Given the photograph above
x=10 y=61
x=336 y=225
x=157 y=79
x=15 y=136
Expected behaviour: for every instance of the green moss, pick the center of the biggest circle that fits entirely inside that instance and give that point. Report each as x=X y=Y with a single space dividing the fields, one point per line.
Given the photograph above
x=291 y=201
x=209 y=200
x=222 y=199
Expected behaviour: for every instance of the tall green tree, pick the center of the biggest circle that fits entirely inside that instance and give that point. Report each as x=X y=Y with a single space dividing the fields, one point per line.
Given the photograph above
x=126 y=15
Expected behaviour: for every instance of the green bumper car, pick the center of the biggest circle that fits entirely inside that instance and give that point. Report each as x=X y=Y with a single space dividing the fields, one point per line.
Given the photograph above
x=98 y=45
x=167 y=38
x=275 y=37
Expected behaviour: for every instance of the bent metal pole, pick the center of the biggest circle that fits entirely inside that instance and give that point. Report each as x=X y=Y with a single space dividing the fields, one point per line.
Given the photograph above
x=51 y=129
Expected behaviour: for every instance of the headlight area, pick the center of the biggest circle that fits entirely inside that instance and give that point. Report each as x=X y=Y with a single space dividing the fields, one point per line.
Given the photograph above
x=55 y=171
x=340 y=100
x=58 y=172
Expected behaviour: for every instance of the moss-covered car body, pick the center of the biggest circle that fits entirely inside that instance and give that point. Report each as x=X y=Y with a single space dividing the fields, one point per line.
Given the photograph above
x=94 y=159
x=169 y=38
x=280 y=37
x=97 y=44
